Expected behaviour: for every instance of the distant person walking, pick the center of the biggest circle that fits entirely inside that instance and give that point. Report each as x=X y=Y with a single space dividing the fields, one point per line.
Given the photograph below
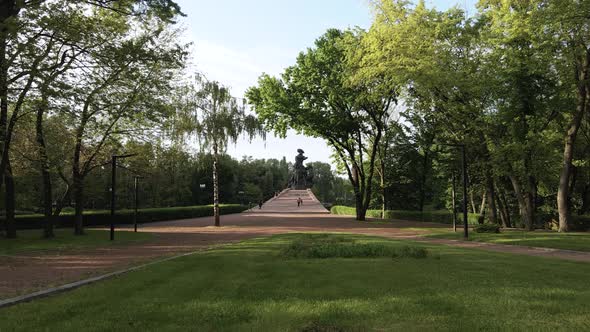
x=299 y=201
x=260 y=205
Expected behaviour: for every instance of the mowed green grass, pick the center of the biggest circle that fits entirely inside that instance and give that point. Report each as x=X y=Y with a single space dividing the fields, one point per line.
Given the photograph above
x=250 y=286
x=31 y=240
x=539 y=238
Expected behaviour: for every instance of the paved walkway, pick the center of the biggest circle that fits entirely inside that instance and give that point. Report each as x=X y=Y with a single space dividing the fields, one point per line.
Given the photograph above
x=34 y=271
x=287 y=203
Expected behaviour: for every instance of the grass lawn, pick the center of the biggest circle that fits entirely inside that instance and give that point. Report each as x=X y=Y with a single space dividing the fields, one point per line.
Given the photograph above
x=31 y=240
x=545 y=239
x=256 y=286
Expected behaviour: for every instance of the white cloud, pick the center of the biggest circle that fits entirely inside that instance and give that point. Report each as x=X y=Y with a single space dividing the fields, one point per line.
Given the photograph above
x=238 y=68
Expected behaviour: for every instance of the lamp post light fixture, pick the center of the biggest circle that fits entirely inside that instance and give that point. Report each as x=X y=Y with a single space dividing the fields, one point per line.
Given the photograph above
x=114 y=188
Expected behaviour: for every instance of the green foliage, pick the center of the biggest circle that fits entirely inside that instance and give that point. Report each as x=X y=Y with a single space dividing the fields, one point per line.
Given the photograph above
x=443 y=217
x=332 y=246
x=318 y=97
x=507 y=83
x=210 y=113
x=323 y=181
x=96 y=218
x=487 y=228
x=170 y=177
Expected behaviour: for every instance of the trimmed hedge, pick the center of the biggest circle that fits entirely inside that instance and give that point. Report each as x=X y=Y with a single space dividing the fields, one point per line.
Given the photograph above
x=578 y=223
x=443 y=217
x=103 y=217
x=487 y=228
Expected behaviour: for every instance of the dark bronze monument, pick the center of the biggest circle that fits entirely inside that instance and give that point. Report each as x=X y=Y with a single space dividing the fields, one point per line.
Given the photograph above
x=301 y=177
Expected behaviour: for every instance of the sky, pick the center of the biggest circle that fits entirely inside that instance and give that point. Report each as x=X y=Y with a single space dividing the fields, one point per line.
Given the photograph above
x=235 y=41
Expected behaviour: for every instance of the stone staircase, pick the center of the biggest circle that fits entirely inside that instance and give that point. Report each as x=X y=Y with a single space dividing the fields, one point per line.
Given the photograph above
x=286 y=202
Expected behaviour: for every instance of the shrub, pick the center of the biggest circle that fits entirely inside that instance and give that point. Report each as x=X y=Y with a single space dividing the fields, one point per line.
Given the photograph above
x=411 y=252
x=99 y=218
x=326 y=246
x=342 y=210
x=487 y=228
x=440 y=216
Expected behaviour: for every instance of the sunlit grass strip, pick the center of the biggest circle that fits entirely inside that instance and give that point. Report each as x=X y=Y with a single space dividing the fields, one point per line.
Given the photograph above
x=543 y=239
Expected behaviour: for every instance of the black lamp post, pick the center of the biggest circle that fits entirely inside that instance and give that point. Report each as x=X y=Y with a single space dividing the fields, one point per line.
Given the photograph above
x=453 y=195
x=464 y=170
x=114 y=187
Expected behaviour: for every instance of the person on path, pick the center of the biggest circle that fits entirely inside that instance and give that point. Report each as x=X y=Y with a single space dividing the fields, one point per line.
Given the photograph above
x=298 y=201
x=260 y=205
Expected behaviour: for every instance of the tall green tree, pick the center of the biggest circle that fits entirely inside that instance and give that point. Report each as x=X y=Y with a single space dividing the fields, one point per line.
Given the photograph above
x=216 y=118
x=564 y=25
x=525 y=94
x=317 y=97
x=30 y=35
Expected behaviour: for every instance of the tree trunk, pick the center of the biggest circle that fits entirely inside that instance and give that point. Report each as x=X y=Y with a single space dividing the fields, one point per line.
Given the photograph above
x=215 y=186
x=45 y=175
x=505 y=209
x=78 y=179
x=472 y=201
x=423 y=180
x=3 y=83
x=572 y=189
x=79 y=204
x=62 y=201
x=361 y=212
x=482 y=206
x=585 y=200
x=382 y=184
x=501 y=211
x=10 y=203
x=504 y=217
x=454 y=202
x=523 y=204
x=531 y=199
x=8 y=9
x=568 y=150
x=491 y=197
